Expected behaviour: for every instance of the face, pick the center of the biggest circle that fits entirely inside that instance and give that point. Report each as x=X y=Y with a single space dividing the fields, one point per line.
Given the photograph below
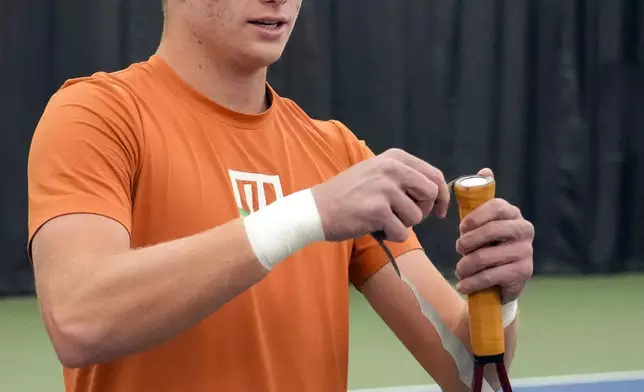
x=249 y=33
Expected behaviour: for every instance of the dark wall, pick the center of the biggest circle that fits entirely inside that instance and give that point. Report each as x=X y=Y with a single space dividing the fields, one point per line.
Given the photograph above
x=548 y=93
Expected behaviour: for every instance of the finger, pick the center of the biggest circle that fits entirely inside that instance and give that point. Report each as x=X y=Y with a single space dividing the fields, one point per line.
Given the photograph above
x=431 y=173
x=507 y=275
x=494 y=231
x=486 y=172
x=395 y=230
x=495 y=209
x=491 y=257
x=421 y=189
x=406 y=209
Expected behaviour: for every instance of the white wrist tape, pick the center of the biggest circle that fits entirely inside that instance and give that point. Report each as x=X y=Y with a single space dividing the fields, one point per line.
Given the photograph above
x=284 y=227
x=509 y=312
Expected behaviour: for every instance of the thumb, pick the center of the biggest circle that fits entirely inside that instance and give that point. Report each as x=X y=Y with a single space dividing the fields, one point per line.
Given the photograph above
x=486 y=172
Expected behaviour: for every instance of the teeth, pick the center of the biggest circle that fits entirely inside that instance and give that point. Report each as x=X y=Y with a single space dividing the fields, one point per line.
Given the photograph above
x=268 y=24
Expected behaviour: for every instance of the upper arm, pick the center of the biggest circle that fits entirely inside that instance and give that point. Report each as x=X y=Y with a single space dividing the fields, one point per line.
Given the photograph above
x=82 y=166
x=63 y=252
x=84 y=156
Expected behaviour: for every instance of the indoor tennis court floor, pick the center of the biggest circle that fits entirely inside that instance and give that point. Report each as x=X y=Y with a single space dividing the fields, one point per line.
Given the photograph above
x=591 y=327
x=608 y=382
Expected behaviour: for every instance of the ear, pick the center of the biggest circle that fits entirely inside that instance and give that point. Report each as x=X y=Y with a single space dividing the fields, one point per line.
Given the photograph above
x=486 y=172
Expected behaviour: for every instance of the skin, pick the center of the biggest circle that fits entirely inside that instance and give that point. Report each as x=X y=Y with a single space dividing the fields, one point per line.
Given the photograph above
x=77 y=258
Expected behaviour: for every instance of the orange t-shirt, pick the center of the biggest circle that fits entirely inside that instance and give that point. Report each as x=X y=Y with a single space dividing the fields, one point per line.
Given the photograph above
x=144 y=148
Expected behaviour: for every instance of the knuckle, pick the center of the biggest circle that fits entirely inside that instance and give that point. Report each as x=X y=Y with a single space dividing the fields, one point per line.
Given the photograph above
x=491 y=230
x=432 y=189
x=461 y=245
x=467 y=242
x=526 y=269
x=524 y=229
x=418 y=215
x=517 y=229
x=387 y=189
x=380 y=214
x=478 y=259
x=529 y=229
x=516 y=211
x=500 y=206
x=375 y=209
x=438 y=173
x=393 y=153
x=459 y=272
x=486 y=279
x=388 y=166
x=397 y=151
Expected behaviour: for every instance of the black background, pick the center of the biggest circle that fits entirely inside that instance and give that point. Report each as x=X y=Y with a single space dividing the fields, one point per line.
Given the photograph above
x=548 y=93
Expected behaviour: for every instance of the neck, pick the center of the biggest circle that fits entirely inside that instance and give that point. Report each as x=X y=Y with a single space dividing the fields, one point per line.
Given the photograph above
x=239 y=90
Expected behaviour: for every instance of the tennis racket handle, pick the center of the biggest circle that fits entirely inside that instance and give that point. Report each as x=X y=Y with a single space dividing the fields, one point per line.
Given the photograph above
x=486 y=323
x=486 y=320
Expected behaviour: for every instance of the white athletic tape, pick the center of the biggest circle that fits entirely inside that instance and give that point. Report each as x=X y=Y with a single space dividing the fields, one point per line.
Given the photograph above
x=451 y=343
x=509 y=312
x=284 y=227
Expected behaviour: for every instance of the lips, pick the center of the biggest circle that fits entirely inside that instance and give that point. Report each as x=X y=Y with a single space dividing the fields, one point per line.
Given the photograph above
x=270 y=25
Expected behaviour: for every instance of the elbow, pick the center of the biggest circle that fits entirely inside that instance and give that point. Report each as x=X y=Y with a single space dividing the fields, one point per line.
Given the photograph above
x=71 y=357
x=76 y=343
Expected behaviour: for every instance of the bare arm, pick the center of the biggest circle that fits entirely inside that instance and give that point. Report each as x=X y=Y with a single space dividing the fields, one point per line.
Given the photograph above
x=101 y=300
x=398 y=306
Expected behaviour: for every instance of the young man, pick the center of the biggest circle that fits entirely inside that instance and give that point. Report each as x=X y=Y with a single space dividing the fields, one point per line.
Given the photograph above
x=191 y=230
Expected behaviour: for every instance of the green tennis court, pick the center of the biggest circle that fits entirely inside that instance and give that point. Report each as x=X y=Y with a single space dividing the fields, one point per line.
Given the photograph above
x=590 y=324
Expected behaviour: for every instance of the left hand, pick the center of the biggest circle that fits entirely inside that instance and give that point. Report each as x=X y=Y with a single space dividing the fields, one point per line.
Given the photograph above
x=508 y=264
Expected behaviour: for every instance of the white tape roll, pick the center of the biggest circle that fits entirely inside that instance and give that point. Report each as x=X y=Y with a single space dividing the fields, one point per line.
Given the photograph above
x=284 y=227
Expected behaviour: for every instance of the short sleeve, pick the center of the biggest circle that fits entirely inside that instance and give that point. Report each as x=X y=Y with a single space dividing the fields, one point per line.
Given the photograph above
x=84 y=155
x=367 y=255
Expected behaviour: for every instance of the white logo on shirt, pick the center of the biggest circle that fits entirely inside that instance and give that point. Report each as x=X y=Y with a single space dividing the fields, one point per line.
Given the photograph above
x=248 y=182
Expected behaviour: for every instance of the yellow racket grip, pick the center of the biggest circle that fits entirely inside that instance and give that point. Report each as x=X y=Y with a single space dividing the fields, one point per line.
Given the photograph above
x=486 y=320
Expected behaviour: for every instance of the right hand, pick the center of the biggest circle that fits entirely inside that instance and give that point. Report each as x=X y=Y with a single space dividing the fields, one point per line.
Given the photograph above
x=389 y=192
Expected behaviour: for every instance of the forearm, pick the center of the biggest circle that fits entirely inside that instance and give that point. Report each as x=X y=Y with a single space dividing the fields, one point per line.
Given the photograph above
x=131 y=301
x=102 y=300
x=431 y=319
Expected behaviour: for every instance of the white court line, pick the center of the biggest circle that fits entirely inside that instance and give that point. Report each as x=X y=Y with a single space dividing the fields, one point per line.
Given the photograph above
x=530 y=381
x=579 y=379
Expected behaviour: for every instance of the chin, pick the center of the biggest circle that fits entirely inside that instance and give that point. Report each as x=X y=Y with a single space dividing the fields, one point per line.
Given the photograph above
x=262 y=57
